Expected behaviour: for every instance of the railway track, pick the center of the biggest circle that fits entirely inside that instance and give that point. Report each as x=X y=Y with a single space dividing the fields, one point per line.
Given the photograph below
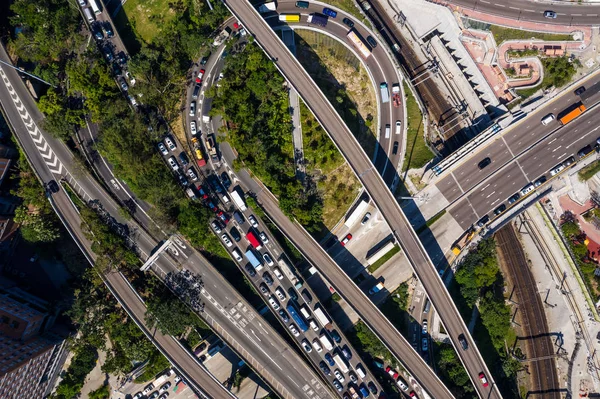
x=538 y=343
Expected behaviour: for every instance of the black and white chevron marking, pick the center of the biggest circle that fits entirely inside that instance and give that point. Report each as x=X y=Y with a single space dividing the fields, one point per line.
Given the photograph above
x=50 y=158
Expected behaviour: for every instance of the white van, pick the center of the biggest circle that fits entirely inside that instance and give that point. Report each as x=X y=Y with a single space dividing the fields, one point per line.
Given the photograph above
x=387 y=131
x=304 y=311
x=237 y=255
x=313 y=325
x=398 y=126
x=360 y=371
x=547 y=119
x=326 y=342
x=317 y=345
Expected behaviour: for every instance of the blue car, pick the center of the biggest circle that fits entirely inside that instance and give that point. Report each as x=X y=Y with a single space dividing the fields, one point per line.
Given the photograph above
x=329 y=12
x=329 y=359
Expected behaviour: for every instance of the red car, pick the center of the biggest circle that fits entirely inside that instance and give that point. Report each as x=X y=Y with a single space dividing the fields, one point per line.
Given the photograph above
x=391 y=372
x=236 y=26
x=484 y=380
x=200 y=75
x=223 y=217
x=413 y=394
x=346 y=239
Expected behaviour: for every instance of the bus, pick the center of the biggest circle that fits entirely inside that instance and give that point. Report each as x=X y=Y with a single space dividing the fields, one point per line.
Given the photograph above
x=95 y=7
x=574 y=113
x=289 y=17
x=359 y=43
x=293 y=311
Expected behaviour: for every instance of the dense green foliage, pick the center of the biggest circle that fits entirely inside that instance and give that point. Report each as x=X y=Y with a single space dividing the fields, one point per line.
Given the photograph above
x=169 y=315
x=558 y=71
x=478 y=271
x=39 y=223
x=192 y=222
x=82 y=363
x=101 y=393
x=575 y=238
x=451 y=370
x=480 y=282
x=254 y=99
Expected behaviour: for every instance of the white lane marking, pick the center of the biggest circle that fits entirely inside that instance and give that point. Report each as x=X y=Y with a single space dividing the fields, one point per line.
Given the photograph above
x=557 y=148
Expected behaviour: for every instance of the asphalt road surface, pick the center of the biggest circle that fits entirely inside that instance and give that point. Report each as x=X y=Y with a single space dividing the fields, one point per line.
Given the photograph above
x=52 y=160
x=567 y=13
x=522 y=154
x=391 y=211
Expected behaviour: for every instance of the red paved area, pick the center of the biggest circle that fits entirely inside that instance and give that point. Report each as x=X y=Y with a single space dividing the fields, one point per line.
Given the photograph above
x=592 y=233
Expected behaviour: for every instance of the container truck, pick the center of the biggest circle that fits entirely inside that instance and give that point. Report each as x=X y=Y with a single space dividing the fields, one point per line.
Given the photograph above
x=95 y=7
x=396 y=95
x=297 y=317
x=289 y=17
x=287 y=270
x=88 y=15
x=568 y=117
x=267 y=7
x=253 y=260
x=341 y=363
x=253 y=240
x=237 y=198
x=321 y=316
x=385 y=93
x=317 y=19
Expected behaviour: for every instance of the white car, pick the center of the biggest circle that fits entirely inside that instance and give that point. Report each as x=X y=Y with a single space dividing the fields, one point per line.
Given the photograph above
x=163 y=150
x=527 y=189
x=424 y=326
x=263 y=237
x=173 y=163
x=294 y=330
x=277 y=273
x=280 y=293
x=338 y=375
x=398 y=127
x=226 y=240
x=237 y=255
x=402 y=384
x=170 y=144
x=306 y=345
x=192 y=174
x=556 y=170
x=274 y=302
x=317 y=345
x=193 y=128
x=130 y=78
x=253 y=221
x=193 y=108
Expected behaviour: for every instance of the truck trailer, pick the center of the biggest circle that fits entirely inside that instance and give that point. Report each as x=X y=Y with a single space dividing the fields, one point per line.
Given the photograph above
x=385 y=93
x=568 y=117
x=317 y=19
x=237 y=198
x=321 y=316
x=396 y=95
x=253 y=260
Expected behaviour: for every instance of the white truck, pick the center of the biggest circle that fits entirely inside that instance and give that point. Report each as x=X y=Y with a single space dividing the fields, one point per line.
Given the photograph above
x=341 y=363
x=321 y=316
x=326 y=342
x=287 y=270
x=385 y=93
x=237 y=198
x=267 y=7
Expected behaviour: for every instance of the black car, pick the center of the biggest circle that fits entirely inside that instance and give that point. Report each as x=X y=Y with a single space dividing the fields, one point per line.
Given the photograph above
x=569 y=161
x=514 y=198
x=108 y=29
x=324 y=368
x=539 y=181
x=196 y=92
x=203 y=60
x=484 y=162
x=52 y=186
x=579 y=91
x=584 y=151
x=215 y=184
x=372 y=41
x=108 y=54
x=346 y=352
x=500 y=209
x=292 y=293
x=225 y=180
x=235 y=234
x=483 y=221
x=372 y=388
x=116 y=69
x=284 y=316
x=98 y=33
x=267 y=277
x=250 y=270
x=395 y=149
x=336 y=337
x=122 y=58
x=348 y=22
x=183 y=158
x=463 y=341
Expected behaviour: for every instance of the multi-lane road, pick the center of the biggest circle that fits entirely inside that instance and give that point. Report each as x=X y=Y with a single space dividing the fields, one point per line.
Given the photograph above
x=568 y=13
x=52 y=160
x=519 y=155
x=385 y=201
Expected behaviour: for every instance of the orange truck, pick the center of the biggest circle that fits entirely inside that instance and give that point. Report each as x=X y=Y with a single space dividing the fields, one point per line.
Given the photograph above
x=569 y=116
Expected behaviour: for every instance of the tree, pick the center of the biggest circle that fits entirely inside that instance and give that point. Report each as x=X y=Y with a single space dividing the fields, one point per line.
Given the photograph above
x=35 y=226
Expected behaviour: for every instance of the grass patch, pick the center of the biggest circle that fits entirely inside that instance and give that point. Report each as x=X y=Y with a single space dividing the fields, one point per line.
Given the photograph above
x=501 y=34
x=79 y=204
x=417 y=152
x=589 y=171
x=384 y=259
x=147 y=17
